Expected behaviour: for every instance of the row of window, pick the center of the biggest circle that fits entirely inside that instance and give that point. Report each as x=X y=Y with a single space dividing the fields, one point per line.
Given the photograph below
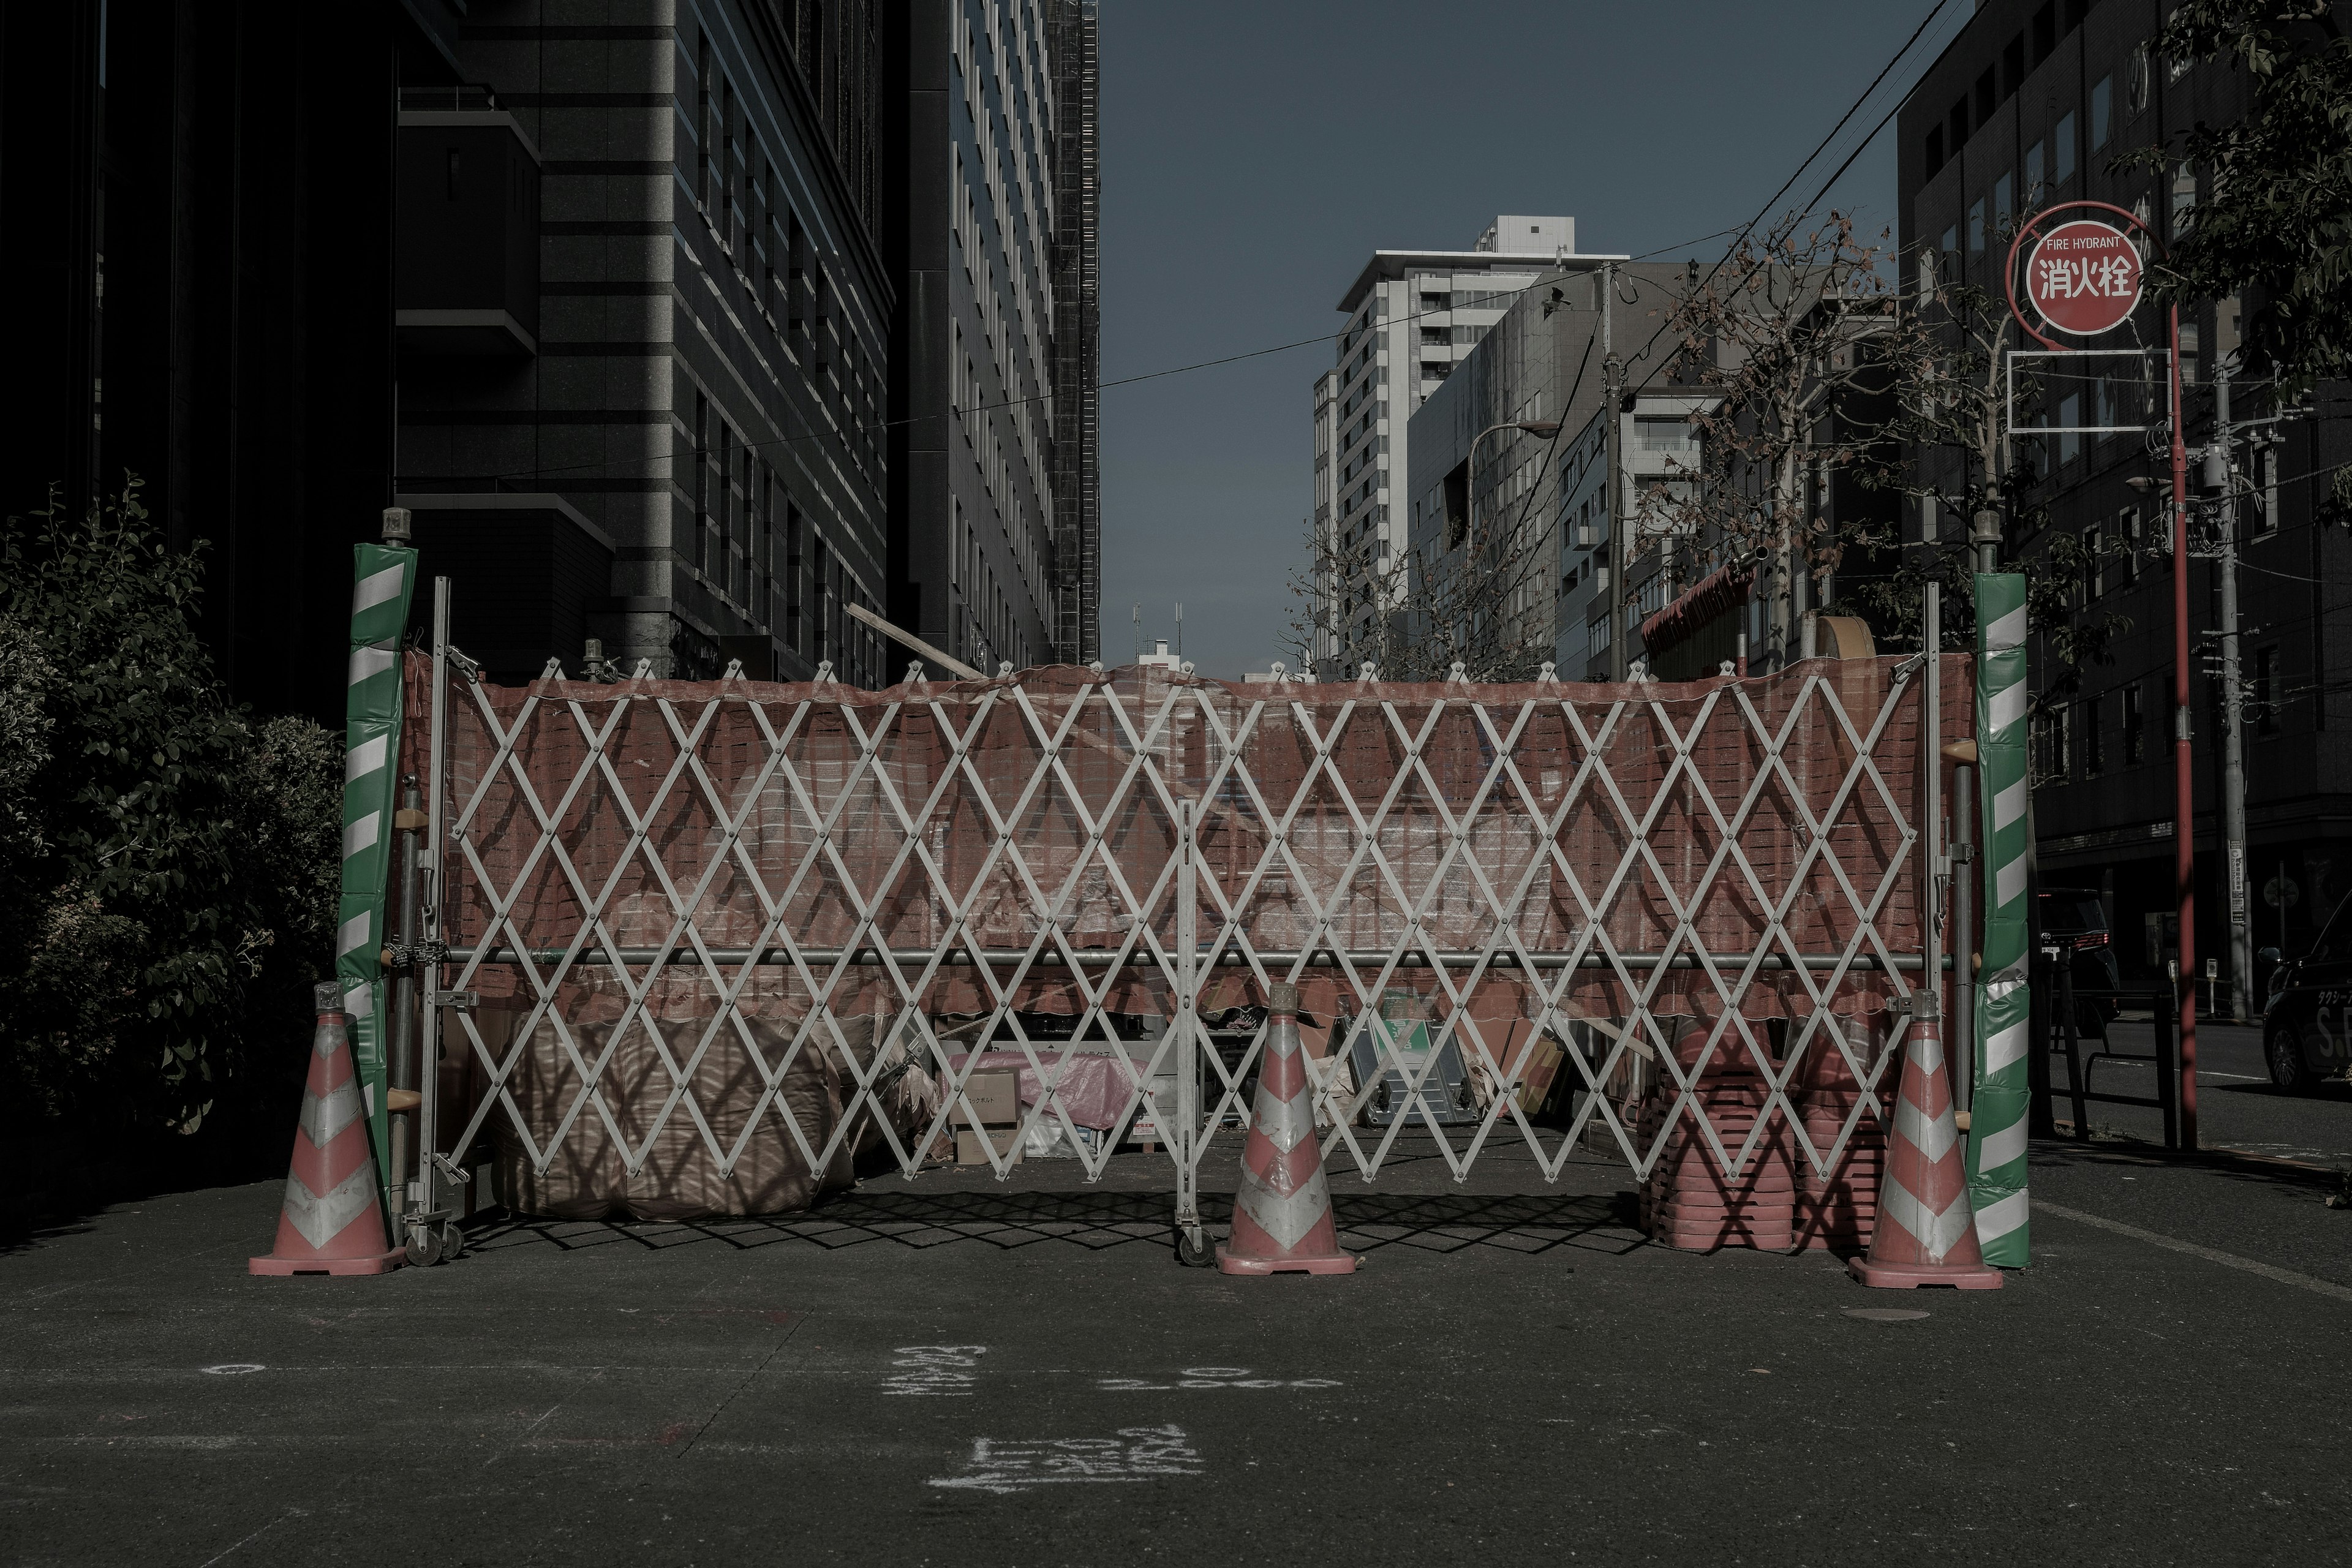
x=2083 y=739
x=767 y=560
x=2000 y=82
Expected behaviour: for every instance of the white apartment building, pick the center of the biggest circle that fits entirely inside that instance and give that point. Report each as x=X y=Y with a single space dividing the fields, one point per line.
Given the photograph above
x=1412 y=316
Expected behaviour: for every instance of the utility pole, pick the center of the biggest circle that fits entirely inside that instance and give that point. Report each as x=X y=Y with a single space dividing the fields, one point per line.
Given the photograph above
x=2233 y=753
x=1619 y=557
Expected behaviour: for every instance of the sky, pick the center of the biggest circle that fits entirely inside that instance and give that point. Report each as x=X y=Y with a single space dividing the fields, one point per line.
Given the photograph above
x=1255 y=156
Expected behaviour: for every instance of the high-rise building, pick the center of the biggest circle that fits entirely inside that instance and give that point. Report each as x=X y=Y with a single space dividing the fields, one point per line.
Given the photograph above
x=1077 y=331
x=971 y=243
x=1411 y=315
x=683 y=456
x=600 y=301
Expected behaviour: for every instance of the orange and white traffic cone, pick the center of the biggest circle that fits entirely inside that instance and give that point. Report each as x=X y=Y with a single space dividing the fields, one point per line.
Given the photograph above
x=332 y=1220
x=1282 y=1215
x=1926 y=1232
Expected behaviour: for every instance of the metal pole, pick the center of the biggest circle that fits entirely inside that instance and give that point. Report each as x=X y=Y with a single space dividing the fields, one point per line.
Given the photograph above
x=401 y=1058
x=437 y=815
x=2233 y=755
x=2184 y=821
x=1963 y=1044
x=1187 y=1141
x=1932 y=808
x=1620 y=559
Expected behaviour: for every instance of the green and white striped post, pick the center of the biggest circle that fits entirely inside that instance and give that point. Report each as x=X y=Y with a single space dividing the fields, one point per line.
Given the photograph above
x=385 y=575
x=1996 y=1121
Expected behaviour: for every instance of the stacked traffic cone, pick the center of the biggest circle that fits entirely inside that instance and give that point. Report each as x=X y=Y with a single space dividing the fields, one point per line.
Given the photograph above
x=1688 y=1202
x=1282 y=1215
x=1925 y=1232
x=1837 y=1211
x=332 y=1220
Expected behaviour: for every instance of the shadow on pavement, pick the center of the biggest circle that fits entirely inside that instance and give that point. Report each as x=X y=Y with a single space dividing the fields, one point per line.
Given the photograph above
x=1447 y=1222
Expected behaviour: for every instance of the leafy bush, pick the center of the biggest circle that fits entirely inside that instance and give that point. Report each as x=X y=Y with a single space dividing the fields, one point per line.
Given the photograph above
x=170 y=863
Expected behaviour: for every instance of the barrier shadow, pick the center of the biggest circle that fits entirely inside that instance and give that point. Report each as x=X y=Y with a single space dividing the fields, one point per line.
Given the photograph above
x=1096 y=1221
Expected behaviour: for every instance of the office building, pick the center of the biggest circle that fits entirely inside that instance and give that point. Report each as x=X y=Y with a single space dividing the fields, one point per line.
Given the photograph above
x=2031 y=104
x=1412 y=316
x=984 y=566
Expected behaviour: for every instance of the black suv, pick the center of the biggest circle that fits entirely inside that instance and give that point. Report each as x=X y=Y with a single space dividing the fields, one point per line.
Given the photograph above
x=2307 y=1019
x=2073 y=924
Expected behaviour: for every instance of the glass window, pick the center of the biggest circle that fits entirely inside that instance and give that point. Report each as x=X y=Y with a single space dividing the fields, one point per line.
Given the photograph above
x=1975 y=225
x=2134 y=729
x=2103 y=111
x=2034 y=172
x=2005 y=201
x=2184 y=200
x=1952 y=240
x=2062 y=149
x=2069 y=415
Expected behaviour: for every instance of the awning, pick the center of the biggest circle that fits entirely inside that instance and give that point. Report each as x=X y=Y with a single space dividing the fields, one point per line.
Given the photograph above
x=1719 y=592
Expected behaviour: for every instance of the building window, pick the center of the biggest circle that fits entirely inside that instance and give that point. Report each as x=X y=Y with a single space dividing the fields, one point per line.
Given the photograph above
x=2070 y=417
x=702 y=478
x=2130 y=521
x=2137 y=79
x=1934 y=149
x=2270 y=518
x=2094 y=569
x=1977 y=226
x=2034 y=173
x=2103 y=112
x=792 y=578
x=2094 y=746
x=2004 y=202
x=2267 y=691
x=702 y=122
x=2061 y=150
x=2135 y=728
x=2184 y=200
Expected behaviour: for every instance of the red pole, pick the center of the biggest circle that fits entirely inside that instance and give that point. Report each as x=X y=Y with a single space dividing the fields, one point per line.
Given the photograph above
x=2184 y=842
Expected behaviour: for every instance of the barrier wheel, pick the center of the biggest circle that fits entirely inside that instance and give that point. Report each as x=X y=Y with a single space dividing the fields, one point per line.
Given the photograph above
x=453 y=1241
x=423 y=1248
x=1192 y=1249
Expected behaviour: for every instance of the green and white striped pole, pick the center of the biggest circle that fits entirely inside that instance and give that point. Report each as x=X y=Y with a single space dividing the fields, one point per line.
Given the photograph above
x=1997 y=1120
x=385 y=577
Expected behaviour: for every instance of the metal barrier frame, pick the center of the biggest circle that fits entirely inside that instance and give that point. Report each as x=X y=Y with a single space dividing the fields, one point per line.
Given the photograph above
x=1196 y=949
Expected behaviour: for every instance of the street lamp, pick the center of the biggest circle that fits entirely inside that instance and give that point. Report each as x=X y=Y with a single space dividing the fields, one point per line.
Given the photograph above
x=1546 y=428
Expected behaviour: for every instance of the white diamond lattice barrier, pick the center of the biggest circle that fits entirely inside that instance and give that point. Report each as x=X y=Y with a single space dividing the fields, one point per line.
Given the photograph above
x=714 y=942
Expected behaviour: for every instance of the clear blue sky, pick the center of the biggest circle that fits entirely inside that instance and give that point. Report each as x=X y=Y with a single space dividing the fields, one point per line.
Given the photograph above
x=1253 y=155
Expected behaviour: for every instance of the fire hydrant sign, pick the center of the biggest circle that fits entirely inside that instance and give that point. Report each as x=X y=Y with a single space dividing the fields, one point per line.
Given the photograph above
x=2083 y=277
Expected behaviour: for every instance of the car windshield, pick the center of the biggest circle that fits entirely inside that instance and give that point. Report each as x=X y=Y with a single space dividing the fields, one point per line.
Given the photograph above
x=2073 y=912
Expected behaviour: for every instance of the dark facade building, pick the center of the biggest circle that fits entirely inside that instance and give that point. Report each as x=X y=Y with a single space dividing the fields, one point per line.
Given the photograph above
x=198 y=262
x=602 y=299
x=2031 y=105
x=988 y=561
x=684 y=457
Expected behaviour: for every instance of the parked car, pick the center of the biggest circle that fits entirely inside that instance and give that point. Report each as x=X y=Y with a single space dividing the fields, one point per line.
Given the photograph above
x=2073 y=923
x=2306 y=1035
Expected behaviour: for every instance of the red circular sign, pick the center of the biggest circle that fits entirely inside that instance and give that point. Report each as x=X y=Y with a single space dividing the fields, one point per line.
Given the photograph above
x=2083 y=277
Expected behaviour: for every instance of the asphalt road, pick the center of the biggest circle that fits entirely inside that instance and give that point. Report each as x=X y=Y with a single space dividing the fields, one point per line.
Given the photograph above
x=959 y=1372
x=2236 y=1106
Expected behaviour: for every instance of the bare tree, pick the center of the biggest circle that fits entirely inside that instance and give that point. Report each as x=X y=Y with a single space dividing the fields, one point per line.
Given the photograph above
x=1476 y=606
x=1790 y=337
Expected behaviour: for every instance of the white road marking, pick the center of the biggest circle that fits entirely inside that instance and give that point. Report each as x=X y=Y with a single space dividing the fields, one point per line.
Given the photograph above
x=1210 y=1378
x=1137 y=1453
x=931 y=1371
x=2210 y=1255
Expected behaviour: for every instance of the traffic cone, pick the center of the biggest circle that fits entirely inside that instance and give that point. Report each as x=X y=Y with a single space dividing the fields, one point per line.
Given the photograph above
x=332 y=1220
x=1282 y=1215
x=1925 y=1232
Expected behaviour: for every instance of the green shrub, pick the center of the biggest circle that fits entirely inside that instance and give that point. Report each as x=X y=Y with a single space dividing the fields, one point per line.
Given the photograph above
x=169 y=862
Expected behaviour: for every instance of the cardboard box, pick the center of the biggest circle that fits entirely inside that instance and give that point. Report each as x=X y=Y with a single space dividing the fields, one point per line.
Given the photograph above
x=995 y=1098
x=972 y=1151
x=1544 y=1060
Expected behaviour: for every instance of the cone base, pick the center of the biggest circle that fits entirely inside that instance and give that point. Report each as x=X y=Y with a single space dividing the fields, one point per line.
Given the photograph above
x=1912 y=1276
x=1325 y=1263
x=280 y=1268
